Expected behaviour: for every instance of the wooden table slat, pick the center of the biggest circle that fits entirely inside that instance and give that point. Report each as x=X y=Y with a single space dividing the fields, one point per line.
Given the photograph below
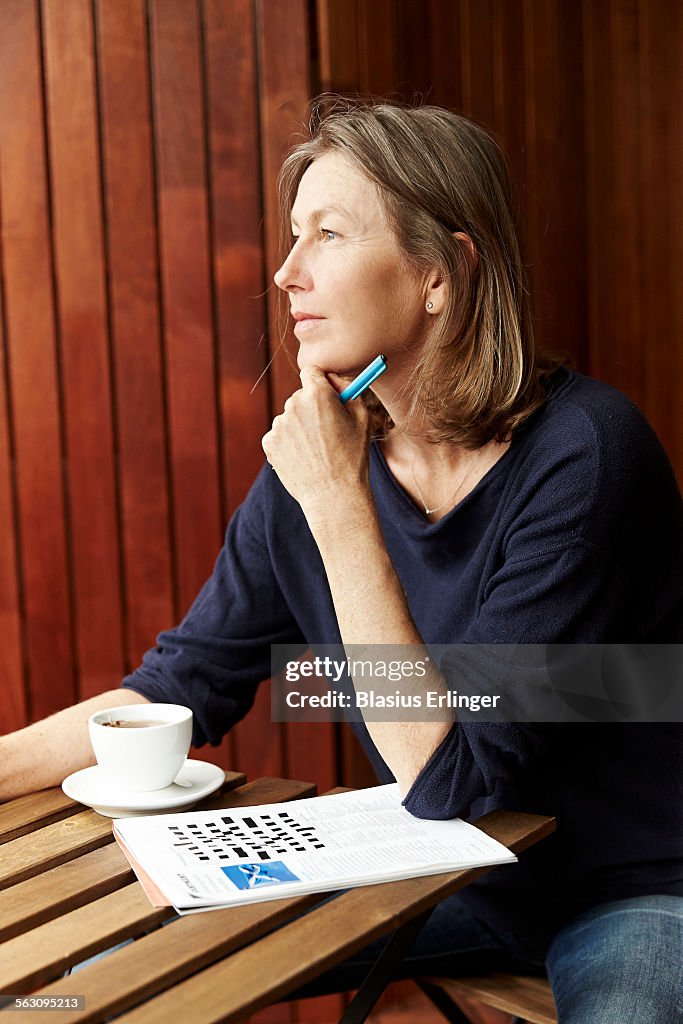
x=17 y=817
x=64 y=888
x=45 y=952
x=155 y=962
x=47 y=847
x=516 y=829
x=72 y=884
x=265 y=790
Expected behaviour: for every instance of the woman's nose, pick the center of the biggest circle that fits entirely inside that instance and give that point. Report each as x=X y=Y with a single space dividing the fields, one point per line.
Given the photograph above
x=291 y=274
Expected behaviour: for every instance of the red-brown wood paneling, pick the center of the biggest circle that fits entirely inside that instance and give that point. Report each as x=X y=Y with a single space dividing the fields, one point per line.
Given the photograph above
x=13 y=703
x=133 y=271
x=509 y=114
x=476 y=60
x=32 y=361
x=555 y=206
x=660 y=55
x=337 y=39
x=283 y=38
x=634 y=91
x=236 y=254
x=73 y=145
x=377 y=44
x=179 y=130
x=238 y=268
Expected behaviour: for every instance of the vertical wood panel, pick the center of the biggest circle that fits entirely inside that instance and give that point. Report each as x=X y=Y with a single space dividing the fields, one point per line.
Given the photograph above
x=555 y=206
x=661 y=246
x=613 y=200
x=445 y=77
x=377 y=42
x=284 y=91
x=626 y=197
x=80 y=275
x=32 y=360
x=238 y=255
x=186 y=292
x=337 y=32
x=311 y=753
x=598 y=120
x=476 y=40
x=134 y=298
x=412 y=52
x=13 y=704
x=509 y=120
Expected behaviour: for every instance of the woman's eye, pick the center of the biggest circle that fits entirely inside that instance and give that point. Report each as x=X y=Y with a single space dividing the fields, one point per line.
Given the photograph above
x=328 y=236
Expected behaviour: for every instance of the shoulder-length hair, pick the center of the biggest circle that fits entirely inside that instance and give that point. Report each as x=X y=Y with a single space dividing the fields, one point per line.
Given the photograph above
x=478 y=375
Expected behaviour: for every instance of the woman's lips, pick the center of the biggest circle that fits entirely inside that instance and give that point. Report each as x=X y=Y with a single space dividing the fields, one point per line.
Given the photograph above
x=307 y=324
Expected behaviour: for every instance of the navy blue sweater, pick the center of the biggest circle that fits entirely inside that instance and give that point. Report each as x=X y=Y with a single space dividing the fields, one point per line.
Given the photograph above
x=574 y=536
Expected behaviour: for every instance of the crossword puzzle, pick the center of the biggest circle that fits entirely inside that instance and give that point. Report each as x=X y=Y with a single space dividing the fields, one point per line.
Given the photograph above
x=262 y=836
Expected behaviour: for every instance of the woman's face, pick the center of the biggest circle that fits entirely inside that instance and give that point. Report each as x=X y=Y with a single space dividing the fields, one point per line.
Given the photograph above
x=350 y=290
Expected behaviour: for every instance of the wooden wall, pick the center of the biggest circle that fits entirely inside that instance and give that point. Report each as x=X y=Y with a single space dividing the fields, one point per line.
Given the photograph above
x=135 y=138
x=139 y=144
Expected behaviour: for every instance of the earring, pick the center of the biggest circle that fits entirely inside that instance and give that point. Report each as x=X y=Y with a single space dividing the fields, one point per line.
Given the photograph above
x=430 y=305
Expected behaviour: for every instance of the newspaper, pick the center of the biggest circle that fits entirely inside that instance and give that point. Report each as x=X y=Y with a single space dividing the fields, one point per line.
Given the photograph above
x=229 y=857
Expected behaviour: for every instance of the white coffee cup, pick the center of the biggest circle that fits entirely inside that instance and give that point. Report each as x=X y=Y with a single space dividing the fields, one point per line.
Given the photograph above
x=147 y=749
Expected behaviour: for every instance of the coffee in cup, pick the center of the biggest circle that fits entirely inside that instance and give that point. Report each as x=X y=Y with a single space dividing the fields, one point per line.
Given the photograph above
x=120 y=723
x=141 y=747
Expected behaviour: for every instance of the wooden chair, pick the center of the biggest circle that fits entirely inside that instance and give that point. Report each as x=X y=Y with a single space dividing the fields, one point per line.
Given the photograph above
x=527 y=999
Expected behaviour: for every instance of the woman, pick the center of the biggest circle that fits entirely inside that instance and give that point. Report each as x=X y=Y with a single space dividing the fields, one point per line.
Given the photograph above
x=485 y=495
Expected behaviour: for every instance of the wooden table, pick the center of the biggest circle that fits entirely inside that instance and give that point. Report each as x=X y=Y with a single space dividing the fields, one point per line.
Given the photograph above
x=67 y=892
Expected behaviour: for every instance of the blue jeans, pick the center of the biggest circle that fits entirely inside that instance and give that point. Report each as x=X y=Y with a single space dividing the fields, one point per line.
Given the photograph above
x=617 y=963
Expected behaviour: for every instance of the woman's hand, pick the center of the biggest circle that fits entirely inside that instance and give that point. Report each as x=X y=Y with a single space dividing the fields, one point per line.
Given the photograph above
x=319 y=447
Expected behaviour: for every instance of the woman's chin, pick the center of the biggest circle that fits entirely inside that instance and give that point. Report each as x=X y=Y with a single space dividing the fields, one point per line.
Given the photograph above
x=316 y=355
x=312 y=356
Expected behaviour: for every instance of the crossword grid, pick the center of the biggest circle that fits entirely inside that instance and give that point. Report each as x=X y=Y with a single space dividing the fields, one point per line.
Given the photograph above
x=225 y=839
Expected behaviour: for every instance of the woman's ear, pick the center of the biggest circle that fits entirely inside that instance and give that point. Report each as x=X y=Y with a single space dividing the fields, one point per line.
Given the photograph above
x=436 y=285
x=435 y=299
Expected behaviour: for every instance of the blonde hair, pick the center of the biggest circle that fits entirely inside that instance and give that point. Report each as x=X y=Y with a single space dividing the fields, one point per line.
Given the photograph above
x=478 y=376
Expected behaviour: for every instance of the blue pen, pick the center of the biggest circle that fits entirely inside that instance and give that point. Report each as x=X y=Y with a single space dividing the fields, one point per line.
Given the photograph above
x=364 y=379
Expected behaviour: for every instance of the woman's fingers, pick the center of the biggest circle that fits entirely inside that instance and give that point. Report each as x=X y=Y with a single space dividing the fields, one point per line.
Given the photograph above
x=337 y=382
x=311 y=376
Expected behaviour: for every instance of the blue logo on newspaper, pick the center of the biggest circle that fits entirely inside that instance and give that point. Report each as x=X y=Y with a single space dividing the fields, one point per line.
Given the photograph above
x=253 y=876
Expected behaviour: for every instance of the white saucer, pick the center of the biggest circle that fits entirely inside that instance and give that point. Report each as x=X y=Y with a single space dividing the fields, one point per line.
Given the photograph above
x=196 y=779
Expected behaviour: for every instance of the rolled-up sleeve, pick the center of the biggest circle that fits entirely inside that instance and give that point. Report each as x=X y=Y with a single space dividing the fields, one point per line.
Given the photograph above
x=472 y=761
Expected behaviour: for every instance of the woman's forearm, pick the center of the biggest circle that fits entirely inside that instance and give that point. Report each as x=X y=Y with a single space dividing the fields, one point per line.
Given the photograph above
x=372 y=609
x=43 y=754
